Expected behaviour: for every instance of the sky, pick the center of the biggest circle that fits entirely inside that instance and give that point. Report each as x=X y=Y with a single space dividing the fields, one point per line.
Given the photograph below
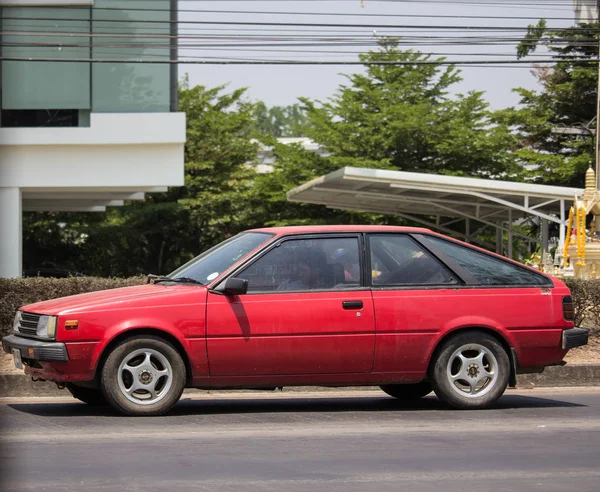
x=282 y=85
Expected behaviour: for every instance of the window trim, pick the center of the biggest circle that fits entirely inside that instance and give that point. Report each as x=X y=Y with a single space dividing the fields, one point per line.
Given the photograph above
x=279 y=240
x=369 y=269
x=549 y=283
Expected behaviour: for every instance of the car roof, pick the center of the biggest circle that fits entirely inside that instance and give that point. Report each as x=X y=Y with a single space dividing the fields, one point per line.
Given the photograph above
x=337 y=228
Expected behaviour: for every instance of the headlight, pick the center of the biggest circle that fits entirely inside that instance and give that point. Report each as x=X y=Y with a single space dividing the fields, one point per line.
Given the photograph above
x=16 y=322
x=46 y=327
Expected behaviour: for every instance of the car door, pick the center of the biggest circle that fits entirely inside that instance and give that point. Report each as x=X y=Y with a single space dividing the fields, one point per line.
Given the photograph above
x=306 y=312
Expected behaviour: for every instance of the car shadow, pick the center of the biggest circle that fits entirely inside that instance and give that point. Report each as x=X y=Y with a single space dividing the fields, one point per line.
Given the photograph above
x=209 y=405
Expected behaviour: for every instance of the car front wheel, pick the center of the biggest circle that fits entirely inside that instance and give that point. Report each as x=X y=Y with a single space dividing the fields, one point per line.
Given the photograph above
x=144 y=375
x=471 y=370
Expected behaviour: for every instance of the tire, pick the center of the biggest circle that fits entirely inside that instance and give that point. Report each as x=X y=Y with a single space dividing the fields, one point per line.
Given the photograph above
x=91 y=396
x=144 y=375
x=471 y=370
x=408 y=392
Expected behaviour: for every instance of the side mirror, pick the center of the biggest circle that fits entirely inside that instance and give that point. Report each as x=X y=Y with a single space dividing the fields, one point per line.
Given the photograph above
x=233 y=287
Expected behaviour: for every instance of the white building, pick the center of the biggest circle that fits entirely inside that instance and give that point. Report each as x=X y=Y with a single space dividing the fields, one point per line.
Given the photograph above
x=79 y=132
x=586 y=11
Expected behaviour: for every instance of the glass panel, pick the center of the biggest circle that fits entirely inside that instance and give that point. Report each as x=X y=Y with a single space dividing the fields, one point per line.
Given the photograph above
x=488 y=269
x=45 y=85
x=398 y=260
x=306 y=264
x=126 y=31
x=31 y=118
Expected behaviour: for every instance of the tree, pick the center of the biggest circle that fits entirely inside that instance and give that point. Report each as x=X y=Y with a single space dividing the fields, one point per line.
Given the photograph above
x=567 y=99
x=280 y=121
x=399 y=115
x=294 y=165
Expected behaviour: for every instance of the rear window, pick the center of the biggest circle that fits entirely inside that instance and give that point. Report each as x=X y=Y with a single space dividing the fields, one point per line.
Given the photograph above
x=488 y=269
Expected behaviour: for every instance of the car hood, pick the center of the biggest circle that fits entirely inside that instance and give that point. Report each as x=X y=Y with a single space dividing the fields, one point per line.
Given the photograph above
x=114 y=298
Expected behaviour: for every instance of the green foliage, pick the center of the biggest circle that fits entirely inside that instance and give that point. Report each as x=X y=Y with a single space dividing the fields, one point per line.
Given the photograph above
x=280 y=121
x=586 y=297
x=218 y=182
x=397 y=117
x=295 y=165
x=532 y=38
x=567 y=99
x=401 y=116
x=17 y=292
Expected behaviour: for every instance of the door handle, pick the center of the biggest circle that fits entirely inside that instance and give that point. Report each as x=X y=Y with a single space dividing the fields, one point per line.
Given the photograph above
x=352 y=304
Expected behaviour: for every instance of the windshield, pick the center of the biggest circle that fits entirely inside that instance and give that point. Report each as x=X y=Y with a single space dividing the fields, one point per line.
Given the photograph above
x=212 y=263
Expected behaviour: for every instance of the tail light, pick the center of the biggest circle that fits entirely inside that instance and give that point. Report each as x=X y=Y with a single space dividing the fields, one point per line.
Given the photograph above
x=568 y=308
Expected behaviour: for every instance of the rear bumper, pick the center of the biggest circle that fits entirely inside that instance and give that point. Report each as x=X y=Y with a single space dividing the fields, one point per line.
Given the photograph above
x=575 y=337
x=36 y=349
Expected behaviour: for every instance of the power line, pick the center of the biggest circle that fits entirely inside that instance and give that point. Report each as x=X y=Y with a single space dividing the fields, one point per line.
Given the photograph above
x=590 y=62
x=325 y=14
x=296 y=24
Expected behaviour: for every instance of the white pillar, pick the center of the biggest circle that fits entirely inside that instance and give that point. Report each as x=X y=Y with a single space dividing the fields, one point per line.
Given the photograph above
x=11 y=233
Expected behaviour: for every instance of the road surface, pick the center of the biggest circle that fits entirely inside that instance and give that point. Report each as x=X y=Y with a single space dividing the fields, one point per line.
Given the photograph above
x=546 y=440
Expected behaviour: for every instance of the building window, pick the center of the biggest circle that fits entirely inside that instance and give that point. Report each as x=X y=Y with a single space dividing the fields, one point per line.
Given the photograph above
x=29 y=118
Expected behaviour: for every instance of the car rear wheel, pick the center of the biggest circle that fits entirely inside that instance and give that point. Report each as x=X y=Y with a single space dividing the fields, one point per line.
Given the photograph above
x=144 y=375
x=90 y=396
x=471 y=370
x=407 y=392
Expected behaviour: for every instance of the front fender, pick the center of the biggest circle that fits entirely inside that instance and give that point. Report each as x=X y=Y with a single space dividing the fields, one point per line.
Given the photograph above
x=194 y=348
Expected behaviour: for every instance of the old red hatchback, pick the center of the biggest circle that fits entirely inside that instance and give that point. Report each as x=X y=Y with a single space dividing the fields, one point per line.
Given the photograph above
x=404 y=308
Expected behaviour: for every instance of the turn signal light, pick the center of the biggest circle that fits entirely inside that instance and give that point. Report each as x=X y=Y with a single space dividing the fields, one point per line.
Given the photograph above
x=71 y=324
x=568 y=308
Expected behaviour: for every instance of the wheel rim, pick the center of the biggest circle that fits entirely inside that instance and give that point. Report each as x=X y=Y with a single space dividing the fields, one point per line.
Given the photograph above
x=145 y=376
x=472 y=370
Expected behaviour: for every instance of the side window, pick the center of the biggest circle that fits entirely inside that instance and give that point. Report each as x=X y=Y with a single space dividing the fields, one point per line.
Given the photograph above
x=398 y=260
x=306 y=264
x=486 y=268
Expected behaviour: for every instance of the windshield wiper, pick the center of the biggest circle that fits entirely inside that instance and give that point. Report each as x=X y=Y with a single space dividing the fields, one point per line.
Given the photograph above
x=183 y=280
x=186 y=280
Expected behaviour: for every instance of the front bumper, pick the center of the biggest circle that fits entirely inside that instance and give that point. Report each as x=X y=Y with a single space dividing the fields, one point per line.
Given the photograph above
x=36 y=349
x=575 y=337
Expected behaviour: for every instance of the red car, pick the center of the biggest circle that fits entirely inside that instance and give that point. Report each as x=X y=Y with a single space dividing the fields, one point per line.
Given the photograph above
x=403 y=308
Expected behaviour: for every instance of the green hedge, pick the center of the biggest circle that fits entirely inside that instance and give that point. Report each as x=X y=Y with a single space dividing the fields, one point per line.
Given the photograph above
x=586 y=296
x=15 y=293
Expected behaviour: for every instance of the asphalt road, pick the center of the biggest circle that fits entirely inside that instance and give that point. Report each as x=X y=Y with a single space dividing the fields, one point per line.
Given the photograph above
x=532 y=440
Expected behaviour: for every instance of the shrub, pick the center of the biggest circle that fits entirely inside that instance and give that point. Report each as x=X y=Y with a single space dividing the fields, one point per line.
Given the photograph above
x=15 y=293
x=586 y=296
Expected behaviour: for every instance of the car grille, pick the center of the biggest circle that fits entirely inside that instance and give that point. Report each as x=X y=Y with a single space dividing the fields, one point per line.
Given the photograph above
x=28 y=324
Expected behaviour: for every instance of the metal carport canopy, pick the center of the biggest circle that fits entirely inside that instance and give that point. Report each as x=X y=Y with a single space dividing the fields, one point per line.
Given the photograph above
x=488 y=202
